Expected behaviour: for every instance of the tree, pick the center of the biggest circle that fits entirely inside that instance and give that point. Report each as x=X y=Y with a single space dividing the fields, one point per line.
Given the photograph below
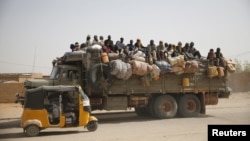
x=238 y=66
x=247 y=66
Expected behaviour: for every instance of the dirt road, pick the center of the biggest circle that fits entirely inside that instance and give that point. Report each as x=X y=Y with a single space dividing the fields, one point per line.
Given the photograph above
x=128 y=126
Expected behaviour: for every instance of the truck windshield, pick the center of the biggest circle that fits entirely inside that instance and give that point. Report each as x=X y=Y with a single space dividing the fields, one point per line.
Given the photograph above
x=55 y=73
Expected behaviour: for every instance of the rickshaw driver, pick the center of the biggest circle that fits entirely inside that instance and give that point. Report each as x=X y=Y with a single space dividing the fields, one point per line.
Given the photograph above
x=68 y=105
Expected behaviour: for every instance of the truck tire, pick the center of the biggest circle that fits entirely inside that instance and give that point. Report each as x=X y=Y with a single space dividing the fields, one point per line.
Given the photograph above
x=189 y=106
x=141 y=111
x=151 y=106
x=165 y=106
x=99 y=77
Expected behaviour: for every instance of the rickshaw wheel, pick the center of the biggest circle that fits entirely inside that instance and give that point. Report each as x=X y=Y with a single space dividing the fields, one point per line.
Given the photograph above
x=92 y=126
x=32 y=130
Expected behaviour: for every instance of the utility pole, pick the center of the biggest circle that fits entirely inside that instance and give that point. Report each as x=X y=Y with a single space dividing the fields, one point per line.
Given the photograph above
x=34 y=61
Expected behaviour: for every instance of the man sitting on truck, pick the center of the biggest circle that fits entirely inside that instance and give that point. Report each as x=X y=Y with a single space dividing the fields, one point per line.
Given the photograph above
x=109 y=43
x=119 y=46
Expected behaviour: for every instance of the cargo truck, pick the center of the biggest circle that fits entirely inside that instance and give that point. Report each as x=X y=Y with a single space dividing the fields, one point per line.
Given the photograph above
x=118 y=82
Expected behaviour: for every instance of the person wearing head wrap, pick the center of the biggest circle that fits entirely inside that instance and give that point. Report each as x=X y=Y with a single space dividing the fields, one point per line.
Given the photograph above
x=194 y=51
x=95 y=40
x=139 y=46
x=88 y=41
x=211 y=56
x=219 y=58
x=151 y=52
x=161 y=51
x=101 y=41
x=179 y=48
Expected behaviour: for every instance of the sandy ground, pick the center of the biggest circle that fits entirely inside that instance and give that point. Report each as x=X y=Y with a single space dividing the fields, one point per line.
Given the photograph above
x=128 y=126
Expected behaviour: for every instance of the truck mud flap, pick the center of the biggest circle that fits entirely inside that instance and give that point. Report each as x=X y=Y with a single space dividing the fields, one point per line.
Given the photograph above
x=99 y=77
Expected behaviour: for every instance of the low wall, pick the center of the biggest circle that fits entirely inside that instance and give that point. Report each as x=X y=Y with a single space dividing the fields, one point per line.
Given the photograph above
x=239 y=82
x=8 y=91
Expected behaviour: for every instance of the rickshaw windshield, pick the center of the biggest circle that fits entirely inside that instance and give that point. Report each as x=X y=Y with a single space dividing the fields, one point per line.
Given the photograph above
x=83 y=95
x=85 y=98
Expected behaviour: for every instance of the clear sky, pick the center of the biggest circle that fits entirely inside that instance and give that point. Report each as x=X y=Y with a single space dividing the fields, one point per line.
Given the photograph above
x=34 y=32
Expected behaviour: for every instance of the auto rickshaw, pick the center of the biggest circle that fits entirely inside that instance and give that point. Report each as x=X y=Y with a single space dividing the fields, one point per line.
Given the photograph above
x=56 y=106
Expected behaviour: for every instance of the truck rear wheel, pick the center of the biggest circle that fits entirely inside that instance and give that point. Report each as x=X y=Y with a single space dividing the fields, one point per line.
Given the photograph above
x=151 y=106
x=165 y=106
x=141 y=111
x=189 y=106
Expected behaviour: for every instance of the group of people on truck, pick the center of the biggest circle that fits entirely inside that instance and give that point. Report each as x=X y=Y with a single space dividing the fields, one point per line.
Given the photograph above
x=156 y=52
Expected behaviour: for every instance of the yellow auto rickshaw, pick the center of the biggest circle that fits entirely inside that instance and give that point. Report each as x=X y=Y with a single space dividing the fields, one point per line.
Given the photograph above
x=56 y=106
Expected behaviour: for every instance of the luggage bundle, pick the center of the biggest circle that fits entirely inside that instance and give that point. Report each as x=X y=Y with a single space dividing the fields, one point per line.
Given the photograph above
x=120 y=69
x=164 y=66
x=214 y=71
x=176 y=60
x=155 y=74
x=191 y=66
x=140 y=68
x=219 y=71
x=124 y=69
x=231 y=66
